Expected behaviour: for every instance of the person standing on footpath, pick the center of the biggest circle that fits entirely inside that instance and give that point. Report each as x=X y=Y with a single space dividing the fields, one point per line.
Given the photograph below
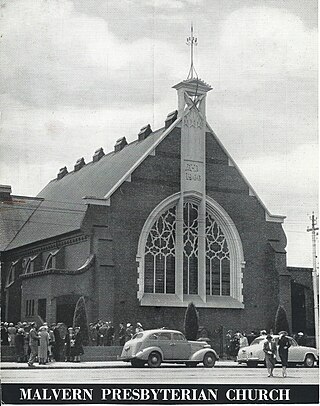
x=284 y=345
x=270 y=350
x=33 y=344
x=43 y=345
x=122 y=334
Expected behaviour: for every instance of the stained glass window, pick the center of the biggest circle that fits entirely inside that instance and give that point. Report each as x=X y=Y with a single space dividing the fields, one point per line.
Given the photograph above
x=160 y=254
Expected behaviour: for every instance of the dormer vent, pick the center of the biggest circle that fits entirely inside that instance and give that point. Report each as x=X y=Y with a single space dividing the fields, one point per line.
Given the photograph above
x=120 y=144
x=79 y=164
x=62 y=172
x=144 y=132
x=5 y=192
x=171 y=117
x=98 y=155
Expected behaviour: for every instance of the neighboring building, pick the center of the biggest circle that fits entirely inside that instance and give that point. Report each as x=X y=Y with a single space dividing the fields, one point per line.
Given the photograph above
x=302 y=300
x=142 y=231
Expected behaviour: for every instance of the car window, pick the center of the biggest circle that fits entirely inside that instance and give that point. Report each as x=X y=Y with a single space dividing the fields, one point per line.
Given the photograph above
x=178 y=337
x=153 y=337
x=293 y=342
x=258 y=340
x=137 y=335
x=165 y=336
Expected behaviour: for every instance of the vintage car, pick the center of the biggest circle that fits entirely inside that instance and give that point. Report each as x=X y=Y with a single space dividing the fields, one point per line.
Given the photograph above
x=253 y=354
x=153 y=347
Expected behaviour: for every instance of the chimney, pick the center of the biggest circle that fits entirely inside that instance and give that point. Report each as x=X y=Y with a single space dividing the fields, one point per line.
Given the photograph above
x=5 y=192
x=171 y=117
x=98 y=155
x=79 y=164
x=120 y=144
x=62 y=172
x=144 y=132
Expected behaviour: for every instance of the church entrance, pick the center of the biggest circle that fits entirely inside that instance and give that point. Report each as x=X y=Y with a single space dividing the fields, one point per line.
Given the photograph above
x=65 y=309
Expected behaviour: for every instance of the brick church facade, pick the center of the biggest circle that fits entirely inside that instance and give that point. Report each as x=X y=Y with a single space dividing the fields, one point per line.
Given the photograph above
x=142 y=231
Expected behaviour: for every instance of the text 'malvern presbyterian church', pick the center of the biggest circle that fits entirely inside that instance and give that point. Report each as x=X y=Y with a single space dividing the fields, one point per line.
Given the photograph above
x=142 y=231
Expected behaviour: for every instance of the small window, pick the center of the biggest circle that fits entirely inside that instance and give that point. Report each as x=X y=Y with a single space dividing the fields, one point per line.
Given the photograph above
x=179 y=337
x=165 y=336
x=11 y=275
x=29 y=308
x=49 y=262
x=153 y=337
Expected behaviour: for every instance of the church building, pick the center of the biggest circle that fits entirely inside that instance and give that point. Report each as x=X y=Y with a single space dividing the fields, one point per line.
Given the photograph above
x=142 y=231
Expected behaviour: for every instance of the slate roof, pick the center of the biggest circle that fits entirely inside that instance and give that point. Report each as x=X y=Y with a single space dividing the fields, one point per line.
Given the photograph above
x=14 y=214
x=61 y=208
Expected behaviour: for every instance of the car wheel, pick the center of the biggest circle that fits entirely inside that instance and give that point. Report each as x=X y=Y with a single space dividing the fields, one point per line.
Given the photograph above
x=137 y=363
x=154 y=360
x=191 y=364
x=252 y=364
x=309 y=361
x=209 y=360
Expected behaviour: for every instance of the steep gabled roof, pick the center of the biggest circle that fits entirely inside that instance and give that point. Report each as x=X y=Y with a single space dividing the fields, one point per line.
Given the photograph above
x=60 y=207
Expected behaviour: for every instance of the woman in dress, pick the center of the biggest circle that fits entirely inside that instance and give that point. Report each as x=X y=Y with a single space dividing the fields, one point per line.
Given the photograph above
x=78 y=348
x=69 y=344
x=270 y=350
x=284 y=345
x=43 y=345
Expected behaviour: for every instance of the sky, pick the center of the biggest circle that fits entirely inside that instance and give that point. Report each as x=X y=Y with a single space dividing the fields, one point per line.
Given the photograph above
x=77 y=75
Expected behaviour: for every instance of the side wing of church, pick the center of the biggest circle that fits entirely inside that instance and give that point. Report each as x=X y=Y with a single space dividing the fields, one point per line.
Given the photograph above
x=146 y=229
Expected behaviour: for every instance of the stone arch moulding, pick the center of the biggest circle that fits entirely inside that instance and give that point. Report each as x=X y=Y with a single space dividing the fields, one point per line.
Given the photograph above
x=237 y=263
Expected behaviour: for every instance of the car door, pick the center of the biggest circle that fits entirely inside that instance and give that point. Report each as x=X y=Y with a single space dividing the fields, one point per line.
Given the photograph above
x=295 y=353
x=181 y=349
x=165 y=343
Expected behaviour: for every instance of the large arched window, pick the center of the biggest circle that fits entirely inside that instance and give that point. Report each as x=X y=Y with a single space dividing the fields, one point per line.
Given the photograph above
x=175 y=270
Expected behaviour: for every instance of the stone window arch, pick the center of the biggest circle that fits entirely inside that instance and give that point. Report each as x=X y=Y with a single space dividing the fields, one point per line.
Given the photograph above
x=171 y=271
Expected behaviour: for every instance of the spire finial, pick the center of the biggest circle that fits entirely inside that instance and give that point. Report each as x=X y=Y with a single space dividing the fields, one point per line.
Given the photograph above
x=192 y=41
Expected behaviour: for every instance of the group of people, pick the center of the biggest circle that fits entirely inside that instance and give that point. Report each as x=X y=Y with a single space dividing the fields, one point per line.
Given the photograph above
x=270 y=350
x=102 y=333
x=237 y=340
x=43 y=344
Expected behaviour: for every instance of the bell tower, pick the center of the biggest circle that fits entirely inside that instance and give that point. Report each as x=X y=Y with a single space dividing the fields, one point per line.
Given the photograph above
x=192 y=94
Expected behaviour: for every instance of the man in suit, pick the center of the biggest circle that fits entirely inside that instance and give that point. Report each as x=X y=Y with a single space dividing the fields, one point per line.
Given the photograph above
x=270 y=350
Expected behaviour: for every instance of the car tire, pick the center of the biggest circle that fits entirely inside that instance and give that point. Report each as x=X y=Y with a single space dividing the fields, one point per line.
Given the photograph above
x=252 y=364
x=191 y=364
x=137 y=363
x=154 y=359
x=209 y=360
x=309 y=361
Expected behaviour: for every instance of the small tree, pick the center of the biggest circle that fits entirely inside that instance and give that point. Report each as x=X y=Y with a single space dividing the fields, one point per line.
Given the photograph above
x=281 y=321
x=191 y=322
x=80 y=319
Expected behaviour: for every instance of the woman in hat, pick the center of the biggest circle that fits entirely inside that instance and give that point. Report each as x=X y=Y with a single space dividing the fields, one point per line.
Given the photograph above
x=270 y=350
x=43 y=345
x=69 y=344
x=78 y=348
x=284 y=345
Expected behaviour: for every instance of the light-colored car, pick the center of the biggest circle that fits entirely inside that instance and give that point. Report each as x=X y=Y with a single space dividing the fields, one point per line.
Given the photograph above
x=153 y=347
x=253 y=354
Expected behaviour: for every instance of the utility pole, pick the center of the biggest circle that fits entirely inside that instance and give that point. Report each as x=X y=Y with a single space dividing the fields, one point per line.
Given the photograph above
x=313 y=230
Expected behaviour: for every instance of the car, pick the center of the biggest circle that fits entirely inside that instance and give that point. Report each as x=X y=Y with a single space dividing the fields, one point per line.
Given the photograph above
x=253 y=354
x=153 y=347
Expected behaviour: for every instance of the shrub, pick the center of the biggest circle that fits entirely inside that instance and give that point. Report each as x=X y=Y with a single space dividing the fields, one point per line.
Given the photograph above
x=191 y=322
x=80 y=319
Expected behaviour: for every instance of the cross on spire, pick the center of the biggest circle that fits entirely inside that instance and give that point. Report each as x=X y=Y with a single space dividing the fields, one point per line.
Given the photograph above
x=192 y=41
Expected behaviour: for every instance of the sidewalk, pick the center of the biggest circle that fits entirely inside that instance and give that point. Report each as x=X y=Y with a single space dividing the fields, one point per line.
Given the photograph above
x=100 y=364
